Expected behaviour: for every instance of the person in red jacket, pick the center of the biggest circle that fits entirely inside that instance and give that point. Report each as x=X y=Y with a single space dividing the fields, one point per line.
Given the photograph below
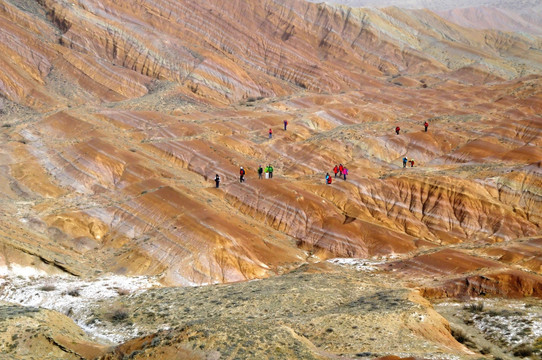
x=270 y=133
x=397 y=129
x=336 y=170
x=340 y=169
x=242 y=174
x=426 y=124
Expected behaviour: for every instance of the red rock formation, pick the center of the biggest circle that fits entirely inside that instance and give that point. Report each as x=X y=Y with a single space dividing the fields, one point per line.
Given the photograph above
x=118 y=116
x=511 y=284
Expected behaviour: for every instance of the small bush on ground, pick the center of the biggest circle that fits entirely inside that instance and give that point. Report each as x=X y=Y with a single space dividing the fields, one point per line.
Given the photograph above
x=119 y=315
x=475 y=308
x=48 y=288
x=523 y=350
x=74 y=293
x=459 y=335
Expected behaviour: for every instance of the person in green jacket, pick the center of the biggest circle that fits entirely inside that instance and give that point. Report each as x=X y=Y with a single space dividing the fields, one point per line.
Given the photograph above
x=270 y=171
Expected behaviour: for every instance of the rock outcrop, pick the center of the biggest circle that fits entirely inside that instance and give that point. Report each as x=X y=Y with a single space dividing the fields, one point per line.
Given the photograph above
x=28 y=332
x=322 y=315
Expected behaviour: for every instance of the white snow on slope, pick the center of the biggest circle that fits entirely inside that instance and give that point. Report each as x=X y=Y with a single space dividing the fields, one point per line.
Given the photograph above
x=366 y=265
x=70 y=295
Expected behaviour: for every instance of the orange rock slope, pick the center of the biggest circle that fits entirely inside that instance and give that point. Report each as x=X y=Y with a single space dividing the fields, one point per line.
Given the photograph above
x=116 y=118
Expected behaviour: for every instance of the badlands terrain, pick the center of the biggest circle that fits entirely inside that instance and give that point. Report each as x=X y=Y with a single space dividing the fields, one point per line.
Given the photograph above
x=115 y=117
x=505 y=15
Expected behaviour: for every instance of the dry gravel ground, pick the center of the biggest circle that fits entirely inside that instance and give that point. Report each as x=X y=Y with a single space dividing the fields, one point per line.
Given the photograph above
x=319 y=311
x=306 y=314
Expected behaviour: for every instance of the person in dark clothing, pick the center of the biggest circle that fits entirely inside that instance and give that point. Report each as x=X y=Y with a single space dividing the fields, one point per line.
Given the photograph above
x=405 y=160
x=397 y=129
x=217 y=180
x=426 y=124
x=285 y=124
x=241 y=174
x=260 y=172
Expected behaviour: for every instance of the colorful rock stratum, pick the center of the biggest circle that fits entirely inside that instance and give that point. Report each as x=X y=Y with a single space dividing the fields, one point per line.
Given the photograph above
x=115 y=117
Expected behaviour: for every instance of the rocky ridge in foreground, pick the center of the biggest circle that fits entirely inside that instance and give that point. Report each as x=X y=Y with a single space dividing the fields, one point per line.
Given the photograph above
x=320 y=311
x=317 y=312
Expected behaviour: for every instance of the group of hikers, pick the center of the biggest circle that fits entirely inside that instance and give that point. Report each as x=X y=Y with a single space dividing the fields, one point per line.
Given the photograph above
x=405 y=159
x=340 y=170
x=268 y=174
x=425 y=125
x=410 y=162
x=268 y=169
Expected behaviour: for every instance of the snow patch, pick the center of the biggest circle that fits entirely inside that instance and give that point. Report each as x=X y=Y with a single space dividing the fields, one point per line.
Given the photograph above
x=71 y=295
x=21 y=271
x=509 y=322
x=515 y=328
x=358 y=264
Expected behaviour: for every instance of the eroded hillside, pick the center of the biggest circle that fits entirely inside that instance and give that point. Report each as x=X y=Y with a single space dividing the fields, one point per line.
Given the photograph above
x=116 y=118
x=118 y=163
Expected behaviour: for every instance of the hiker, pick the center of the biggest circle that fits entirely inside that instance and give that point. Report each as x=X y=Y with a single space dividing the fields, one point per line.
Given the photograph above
x=405 y=160
x=241 y=174
x=340 y=169
x=217 y=180
x=328 y=179
x=411 y=162
x=397 y=129
x=345 y=172
x=270 y=133
x=335 y=170
x=426 y=124
x=260 y=172
x=270 y=171
x=285 y=124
